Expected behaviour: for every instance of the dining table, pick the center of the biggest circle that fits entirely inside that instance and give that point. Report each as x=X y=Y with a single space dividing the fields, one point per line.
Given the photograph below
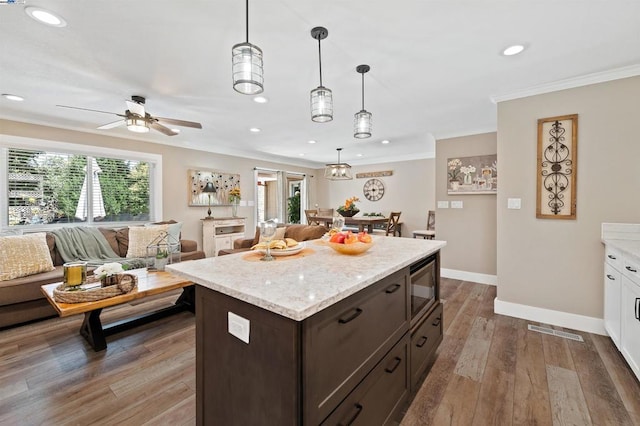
x=361 y=222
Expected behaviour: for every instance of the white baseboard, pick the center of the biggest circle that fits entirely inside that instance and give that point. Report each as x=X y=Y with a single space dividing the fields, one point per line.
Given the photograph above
x=548 y=316
x=469 y=276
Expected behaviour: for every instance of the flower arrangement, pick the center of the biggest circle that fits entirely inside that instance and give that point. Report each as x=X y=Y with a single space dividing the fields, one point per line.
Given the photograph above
x=454 y=168
x=234 y=195
x=108 y=269
x=467 y=170
x=349 y=208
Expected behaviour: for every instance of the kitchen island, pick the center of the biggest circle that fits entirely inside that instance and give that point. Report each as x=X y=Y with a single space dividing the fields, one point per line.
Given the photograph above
x=320 y=337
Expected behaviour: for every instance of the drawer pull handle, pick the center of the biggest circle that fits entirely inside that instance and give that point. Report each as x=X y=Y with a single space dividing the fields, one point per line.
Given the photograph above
x=610 y=277
x=610 y=256
x=437 y=323
x=354 y=417
x=629 y=268
x=356 y=313
x=638 y=308
x=392 y=289
x=421 y=342
x=396 y=363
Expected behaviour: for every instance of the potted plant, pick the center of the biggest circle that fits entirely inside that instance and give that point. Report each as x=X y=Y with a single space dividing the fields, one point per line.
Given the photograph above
x=162 y=257
x=109 y=273
x=349 y=208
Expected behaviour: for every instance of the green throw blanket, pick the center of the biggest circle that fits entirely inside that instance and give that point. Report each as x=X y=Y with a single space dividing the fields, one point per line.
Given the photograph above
x=89 y=245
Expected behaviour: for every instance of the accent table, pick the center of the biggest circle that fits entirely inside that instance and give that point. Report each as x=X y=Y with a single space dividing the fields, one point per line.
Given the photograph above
x=149 y=283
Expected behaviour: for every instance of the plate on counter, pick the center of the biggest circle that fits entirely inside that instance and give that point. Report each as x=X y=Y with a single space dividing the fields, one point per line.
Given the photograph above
x=284 y=252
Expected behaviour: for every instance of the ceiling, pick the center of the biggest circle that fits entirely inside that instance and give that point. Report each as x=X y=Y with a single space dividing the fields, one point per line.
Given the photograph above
x=435 y=66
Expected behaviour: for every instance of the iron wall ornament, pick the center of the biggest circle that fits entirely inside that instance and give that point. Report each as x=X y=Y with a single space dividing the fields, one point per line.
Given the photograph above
x=557 y=167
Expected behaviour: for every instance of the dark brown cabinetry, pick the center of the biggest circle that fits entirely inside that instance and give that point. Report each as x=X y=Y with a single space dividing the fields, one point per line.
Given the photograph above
x=355 y=362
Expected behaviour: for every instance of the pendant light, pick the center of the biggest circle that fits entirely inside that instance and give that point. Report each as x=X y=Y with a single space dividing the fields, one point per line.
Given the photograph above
x=321 y=97
x=362 y=121
x=247 y=65
x=338 y=171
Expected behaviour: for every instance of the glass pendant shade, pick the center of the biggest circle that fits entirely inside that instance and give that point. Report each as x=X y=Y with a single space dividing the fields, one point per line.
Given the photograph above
x=321 y=105
x=362 y=125
x=137 y=124
x=248 y=76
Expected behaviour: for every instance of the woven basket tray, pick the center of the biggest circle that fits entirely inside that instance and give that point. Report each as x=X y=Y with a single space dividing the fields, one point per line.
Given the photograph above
x=126 y=283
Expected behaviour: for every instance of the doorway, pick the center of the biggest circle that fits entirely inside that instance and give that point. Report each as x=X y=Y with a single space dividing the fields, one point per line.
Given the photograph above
x=280 y=195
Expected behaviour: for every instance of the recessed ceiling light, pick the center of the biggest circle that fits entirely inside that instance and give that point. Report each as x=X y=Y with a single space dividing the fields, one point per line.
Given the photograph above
x=312 y=141
x=385 y=142
x=301 y=154
x=513 y=50
x=358 y=155
x=13 y=97
x=255 y=130
x=175 y=130
x=260 y=99
x=45 y=16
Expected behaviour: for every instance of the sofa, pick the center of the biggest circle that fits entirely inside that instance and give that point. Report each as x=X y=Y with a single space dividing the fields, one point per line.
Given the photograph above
x=21 y=299
x=295 y=231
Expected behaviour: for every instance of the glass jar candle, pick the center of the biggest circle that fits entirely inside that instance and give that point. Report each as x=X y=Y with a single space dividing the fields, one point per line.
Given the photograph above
x=75 y=273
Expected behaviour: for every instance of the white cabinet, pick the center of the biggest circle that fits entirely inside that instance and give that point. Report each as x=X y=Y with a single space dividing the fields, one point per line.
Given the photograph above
x=220 y=233
x=612 y=293
x=631 y=313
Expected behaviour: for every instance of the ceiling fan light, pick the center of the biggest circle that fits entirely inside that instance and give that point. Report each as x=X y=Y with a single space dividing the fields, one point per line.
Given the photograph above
x=247 y=69
x=137 y=124
x=321 y=105
x=362 y=125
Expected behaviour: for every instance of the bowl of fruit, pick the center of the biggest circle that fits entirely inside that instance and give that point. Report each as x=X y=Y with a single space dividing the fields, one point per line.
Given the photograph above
x=350 y=243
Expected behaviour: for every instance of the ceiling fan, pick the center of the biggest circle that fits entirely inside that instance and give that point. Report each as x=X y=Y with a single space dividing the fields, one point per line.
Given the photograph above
x=138 y=120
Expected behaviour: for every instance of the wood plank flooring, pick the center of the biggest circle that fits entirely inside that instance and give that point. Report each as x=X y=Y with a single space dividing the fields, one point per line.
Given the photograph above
x=490 y=370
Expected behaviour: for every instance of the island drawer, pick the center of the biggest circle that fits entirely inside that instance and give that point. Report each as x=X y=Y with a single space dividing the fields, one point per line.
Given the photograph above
x=424 y=341
x=380 y=396
x=345 y=341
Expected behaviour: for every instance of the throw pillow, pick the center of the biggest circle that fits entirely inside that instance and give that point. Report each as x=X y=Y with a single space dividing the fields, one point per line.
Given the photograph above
x=23 y=255
x=141 y=236
x=173 y=229
x=279 y=234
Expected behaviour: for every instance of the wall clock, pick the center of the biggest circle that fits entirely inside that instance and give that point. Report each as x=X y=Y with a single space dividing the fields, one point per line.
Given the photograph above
x=373 y=189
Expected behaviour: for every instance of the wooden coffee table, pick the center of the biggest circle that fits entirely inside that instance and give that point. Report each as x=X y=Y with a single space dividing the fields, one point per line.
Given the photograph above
x=149 y=283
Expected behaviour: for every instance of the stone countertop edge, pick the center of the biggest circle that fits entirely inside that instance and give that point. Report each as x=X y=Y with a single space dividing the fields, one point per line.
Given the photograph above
x=298 y=288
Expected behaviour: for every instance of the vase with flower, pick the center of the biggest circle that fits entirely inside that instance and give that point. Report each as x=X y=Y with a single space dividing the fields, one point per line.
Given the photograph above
x=109 y=273
x=349 y=209
x=234 y=200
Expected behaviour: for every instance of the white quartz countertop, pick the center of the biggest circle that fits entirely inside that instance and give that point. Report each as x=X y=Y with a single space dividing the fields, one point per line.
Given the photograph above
x=299 y=287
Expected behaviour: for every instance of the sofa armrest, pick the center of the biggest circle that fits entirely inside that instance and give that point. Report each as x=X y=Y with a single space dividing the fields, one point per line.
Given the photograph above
x=188 y=246
x=243 y=243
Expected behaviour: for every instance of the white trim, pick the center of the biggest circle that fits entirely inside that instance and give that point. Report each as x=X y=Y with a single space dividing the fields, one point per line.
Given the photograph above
x=548 y=316
x=463 y=133
x=570 y=83
x=469 y=276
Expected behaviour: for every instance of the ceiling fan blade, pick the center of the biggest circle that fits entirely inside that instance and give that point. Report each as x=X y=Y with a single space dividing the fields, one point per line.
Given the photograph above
x=112 y=125
x=135 y=108
x=182 y=123
x=162 y=129
x=92 y=110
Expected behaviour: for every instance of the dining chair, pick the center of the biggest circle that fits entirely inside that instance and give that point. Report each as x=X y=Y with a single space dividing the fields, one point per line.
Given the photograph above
x=393 y=225
x=325 y=212
x=309 y=214
x=430 y=232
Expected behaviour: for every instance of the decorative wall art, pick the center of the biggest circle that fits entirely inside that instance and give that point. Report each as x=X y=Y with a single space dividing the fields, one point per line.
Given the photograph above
x=223 y=182
x=472 y=175
x=557 y=167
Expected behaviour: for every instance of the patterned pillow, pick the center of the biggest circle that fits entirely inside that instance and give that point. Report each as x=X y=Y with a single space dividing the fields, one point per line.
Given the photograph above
x=23 y=255
x=141 y=236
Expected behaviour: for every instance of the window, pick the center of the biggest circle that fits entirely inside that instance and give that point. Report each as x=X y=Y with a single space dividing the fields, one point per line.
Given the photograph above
x=56 y=186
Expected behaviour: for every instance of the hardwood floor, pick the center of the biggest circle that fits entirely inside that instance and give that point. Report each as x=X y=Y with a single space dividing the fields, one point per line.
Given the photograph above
x=490 y=370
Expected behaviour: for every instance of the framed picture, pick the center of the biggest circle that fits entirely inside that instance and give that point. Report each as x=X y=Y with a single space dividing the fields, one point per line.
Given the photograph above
x=222 y=182
x=557 y=167
x=472 y=175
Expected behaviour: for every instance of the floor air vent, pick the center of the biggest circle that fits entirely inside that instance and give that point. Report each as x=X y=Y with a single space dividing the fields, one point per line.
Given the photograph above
x=558 y=333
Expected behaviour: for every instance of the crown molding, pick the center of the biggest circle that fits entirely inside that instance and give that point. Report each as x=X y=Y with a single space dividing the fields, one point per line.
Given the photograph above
x=570 y=83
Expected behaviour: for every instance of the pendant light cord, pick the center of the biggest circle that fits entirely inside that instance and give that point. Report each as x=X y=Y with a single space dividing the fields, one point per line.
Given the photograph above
x=363 y=91
x=319 y=59
x=247 y=20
